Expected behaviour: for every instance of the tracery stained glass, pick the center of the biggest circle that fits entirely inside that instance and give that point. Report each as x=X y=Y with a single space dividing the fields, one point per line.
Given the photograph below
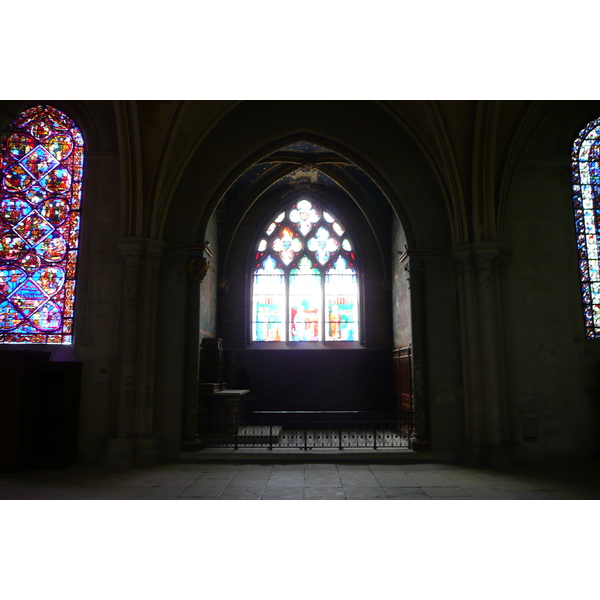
x=304 y=216
x=40 y=198
x=305 y=285
x=323 y=245
x=287 y=244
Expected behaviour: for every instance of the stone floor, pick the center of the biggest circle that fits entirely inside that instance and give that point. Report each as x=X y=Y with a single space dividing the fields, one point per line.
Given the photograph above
x=566 y=480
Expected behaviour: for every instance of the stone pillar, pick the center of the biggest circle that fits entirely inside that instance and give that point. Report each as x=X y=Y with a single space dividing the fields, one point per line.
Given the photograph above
x=415 y=267
x=482 y=343
x=133 y=442
x=198 y=264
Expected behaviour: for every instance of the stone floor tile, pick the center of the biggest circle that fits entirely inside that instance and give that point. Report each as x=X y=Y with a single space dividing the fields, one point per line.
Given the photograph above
x=373 y=483
x=543 y=483
x=197 y=498
x=119 y=494
x=285 y=481
x=472 y=484
x=172 y=482
x=429 y=479
x=154 y=498
x=241 y=495
x=162 y=492
x=521 y=486
x=283 y=495
x=402 y=493
x=250 y=484
x=535 y=495
x=204 y=490
x=491 y=476
x=222 y=470
x=256 y=468
x=201 y=494
x=315 y=485
x=215 y=477
x=576 y=494
x=107 y=481
x=129 y=483
x=480 y=494
x=364 y=493
x=84 y=492
x=423 y=468
x=353 y=468
x=183 y=468
x=324 y=493
x=321 y=475
x=446 y=491
x=248 y=476
x=395 y=480
x=452 y=498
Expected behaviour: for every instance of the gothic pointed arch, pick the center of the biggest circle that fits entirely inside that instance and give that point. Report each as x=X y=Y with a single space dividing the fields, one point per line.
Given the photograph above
x=40 y=202
x=305 y=281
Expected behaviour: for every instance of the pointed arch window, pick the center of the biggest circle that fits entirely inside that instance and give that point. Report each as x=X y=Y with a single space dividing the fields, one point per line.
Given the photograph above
x=305 y=286
x=41 y=173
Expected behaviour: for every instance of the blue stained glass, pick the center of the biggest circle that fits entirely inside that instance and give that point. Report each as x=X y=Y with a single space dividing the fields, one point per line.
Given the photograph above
x=39 y=205
x=586 y=292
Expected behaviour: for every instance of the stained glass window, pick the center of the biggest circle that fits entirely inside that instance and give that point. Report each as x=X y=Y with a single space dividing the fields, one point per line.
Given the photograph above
x=40 y=198
x=305 y=285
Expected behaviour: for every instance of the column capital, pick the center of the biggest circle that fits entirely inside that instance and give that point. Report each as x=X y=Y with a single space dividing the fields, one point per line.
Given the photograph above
x=480 y=255
x=135 y=244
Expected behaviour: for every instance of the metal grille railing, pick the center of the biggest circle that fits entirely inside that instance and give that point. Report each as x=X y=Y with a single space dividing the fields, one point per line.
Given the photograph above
x=306 y=430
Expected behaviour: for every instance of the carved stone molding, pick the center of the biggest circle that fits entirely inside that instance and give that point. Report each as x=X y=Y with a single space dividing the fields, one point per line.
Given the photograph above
x=198 y=263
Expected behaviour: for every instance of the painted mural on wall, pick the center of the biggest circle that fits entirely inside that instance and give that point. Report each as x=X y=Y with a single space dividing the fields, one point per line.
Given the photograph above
x=208 y=291
x=400 y=288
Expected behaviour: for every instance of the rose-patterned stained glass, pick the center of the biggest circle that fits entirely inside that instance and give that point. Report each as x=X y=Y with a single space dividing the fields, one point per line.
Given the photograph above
x=41 y=171
x=305 y=284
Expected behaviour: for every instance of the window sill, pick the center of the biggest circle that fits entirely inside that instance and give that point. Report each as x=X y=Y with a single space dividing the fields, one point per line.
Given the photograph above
x=305 y=346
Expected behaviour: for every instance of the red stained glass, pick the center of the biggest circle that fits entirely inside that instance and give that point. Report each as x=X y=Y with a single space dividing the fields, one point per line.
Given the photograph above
x=40 y=199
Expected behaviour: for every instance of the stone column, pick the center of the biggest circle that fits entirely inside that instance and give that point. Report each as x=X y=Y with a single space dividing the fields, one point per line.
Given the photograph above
x=198 y=264
x=133 y=442
x=415 y=267
x=482 y=343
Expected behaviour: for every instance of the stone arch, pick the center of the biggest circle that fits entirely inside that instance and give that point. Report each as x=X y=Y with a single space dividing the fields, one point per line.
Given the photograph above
x=363 y=133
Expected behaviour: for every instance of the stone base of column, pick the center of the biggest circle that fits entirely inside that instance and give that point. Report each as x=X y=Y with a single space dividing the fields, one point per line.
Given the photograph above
x=192 y=445
x=420 y=445
x=130 y=452
x=488 y=454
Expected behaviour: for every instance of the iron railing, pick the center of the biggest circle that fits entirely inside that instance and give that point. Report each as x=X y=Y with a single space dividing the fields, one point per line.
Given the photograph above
x=306 y=430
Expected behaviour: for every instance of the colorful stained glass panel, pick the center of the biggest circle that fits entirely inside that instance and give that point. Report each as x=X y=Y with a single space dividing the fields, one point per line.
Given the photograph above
x=40 y=198
x=268 y=302
x=303 y=245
